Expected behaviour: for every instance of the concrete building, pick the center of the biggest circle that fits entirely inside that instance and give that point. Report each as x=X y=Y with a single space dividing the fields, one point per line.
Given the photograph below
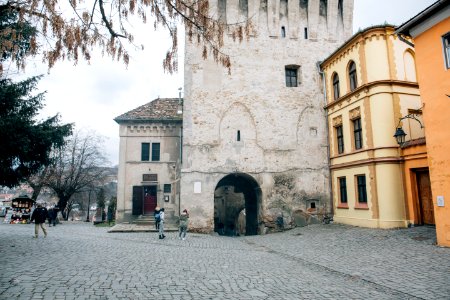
x=371 y=84
x=255 y=140
x=149 y=160
x=431 y=32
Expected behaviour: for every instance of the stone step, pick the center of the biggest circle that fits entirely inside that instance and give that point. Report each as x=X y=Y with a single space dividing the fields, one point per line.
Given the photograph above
x=123 y=227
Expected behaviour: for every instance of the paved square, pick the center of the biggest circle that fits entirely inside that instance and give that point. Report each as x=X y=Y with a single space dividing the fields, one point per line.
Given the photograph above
x=79 y=261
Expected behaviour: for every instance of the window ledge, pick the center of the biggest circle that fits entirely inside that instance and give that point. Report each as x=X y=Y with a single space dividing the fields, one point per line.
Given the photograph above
x=362 y=206
x=342 y=205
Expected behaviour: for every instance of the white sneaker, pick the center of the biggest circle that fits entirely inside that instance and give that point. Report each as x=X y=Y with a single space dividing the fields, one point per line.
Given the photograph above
x=184 y=239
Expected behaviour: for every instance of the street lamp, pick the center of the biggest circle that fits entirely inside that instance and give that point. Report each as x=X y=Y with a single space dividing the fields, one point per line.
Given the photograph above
x=399 y=132
x=400 y=135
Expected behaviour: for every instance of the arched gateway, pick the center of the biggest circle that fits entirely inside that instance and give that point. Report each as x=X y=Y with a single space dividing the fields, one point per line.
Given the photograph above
x=237 y=201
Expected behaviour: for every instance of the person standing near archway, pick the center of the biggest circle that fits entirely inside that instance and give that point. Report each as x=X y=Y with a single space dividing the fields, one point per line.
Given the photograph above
x=183 y=225
x=161 y=224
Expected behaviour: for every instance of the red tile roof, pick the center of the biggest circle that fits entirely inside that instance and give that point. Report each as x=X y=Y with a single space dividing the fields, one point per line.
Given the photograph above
x=161 y=109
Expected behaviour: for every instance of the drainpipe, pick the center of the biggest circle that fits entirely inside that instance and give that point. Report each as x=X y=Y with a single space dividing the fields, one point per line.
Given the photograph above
x=180 y=111
x=319 y=69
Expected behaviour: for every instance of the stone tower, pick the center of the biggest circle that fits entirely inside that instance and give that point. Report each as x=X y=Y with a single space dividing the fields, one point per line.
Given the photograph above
x=255 y=141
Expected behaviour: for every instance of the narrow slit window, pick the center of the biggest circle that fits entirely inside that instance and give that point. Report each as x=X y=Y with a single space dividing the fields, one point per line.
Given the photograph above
x=362 y=192
x=156 y=155
x=340 y=139
x=352 y=76
x=238 y=136
x=446 y=44
x=336 y=91
x=306 y=33
x=283 y=32
x=357 y=131
x=343 y=189
x=145 y=151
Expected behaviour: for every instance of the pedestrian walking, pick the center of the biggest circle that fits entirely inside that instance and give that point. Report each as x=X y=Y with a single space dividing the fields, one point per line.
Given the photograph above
x=39 y=215
x=52 y=213
x=183 y=225
x=161 y=224
x=157 y=217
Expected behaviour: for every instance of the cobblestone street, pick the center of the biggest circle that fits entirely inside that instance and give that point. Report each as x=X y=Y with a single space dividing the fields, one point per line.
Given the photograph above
x=80 y=261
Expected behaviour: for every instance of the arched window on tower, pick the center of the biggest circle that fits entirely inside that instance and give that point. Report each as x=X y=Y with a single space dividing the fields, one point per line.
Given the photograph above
x=336 y=92
x=283 y=32
x=352 y=76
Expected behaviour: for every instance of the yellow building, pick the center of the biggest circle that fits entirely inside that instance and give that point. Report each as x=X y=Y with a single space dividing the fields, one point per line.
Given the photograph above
x=370 y=84
x=431 y=32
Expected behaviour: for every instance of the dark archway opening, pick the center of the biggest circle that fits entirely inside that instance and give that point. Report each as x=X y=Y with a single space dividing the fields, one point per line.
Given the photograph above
x=237 y=198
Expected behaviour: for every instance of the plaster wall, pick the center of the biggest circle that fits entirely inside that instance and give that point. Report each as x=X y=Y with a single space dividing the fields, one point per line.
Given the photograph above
x=415 y=158
x=382 y=108
x=434 y=79
x=390 y=195
x=131 y=168
x=379 y=100
x=376 y=58
x=404 y=61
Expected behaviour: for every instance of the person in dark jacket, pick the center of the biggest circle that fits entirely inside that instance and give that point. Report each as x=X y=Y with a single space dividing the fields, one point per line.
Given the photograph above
x=39 y=215
x=52 y=213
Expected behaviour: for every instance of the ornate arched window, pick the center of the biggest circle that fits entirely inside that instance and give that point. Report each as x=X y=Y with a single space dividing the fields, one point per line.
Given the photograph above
x=352 y=76
x=336 y=92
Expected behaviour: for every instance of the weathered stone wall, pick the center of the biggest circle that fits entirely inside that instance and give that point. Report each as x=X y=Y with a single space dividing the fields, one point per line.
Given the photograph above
x=282 y=129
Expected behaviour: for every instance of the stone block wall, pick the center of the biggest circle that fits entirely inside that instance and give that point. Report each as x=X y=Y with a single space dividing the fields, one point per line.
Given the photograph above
x=249 y=121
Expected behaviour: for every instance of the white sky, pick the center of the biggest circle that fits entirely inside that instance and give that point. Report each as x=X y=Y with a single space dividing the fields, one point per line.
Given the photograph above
x=91 y=96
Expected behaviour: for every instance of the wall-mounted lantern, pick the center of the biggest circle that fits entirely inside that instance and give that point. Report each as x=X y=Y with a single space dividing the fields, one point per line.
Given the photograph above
x=399 y=132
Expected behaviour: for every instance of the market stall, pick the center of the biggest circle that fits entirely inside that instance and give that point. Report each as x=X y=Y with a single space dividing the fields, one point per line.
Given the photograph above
x=21 y=210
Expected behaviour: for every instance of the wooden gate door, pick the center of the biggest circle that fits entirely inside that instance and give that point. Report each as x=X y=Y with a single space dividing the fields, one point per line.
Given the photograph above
x=425 y=198
x=149 y=199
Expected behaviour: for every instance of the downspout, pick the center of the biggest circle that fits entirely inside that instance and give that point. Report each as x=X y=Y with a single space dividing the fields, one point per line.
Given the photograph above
x=319 y=69
x=181 y=109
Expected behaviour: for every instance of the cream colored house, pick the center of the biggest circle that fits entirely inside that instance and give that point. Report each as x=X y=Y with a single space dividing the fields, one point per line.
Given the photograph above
x=370 y=84
x=149 y=159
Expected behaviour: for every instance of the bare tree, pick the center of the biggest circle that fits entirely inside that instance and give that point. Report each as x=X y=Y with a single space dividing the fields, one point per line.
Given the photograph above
x=76 y=166
x=70 y=29
x=38 y=181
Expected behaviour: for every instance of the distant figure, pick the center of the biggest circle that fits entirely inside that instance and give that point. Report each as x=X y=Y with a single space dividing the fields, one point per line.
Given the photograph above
x=39 y=215
x=52 y=212
x=157 y=217
x=161 y=224
x=183 y=225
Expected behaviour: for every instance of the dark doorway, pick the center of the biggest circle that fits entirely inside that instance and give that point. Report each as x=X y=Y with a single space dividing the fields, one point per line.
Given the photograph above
x=144 y=199
x=236 y=205
x=426 y=209
x=149 y=199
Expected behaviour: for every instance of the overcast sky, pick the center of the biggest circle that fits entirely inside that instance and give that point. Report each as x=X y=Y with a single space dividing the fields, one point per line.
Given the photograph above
x=91 y=96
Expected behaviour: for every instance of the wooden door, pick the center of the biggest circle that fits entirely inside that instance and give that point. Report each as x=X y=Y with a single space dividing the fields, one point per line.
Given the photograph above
x=425 y=198
x=149 y=199
x=137 y=200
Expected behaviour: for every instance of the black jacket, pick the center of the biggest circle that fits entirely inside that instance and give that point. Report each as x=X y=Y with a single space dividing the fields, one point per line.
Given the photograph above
x=39 y=215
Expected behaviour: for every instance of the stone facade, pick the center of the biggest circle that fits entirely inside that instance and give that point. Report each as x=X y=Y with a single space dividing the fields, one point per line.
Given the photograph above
x=149 y=160
x=248 y=132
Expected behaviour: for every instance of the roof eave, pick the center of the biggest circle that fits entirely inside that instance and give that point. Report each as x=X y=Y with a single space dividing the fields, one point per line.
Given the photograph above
x=424 y=14
x=146 y=121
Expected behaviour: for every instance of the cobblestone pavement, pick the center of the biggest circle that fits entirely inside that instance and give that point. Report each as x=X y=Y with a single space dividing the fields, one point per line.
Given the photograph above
x=79 y=261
